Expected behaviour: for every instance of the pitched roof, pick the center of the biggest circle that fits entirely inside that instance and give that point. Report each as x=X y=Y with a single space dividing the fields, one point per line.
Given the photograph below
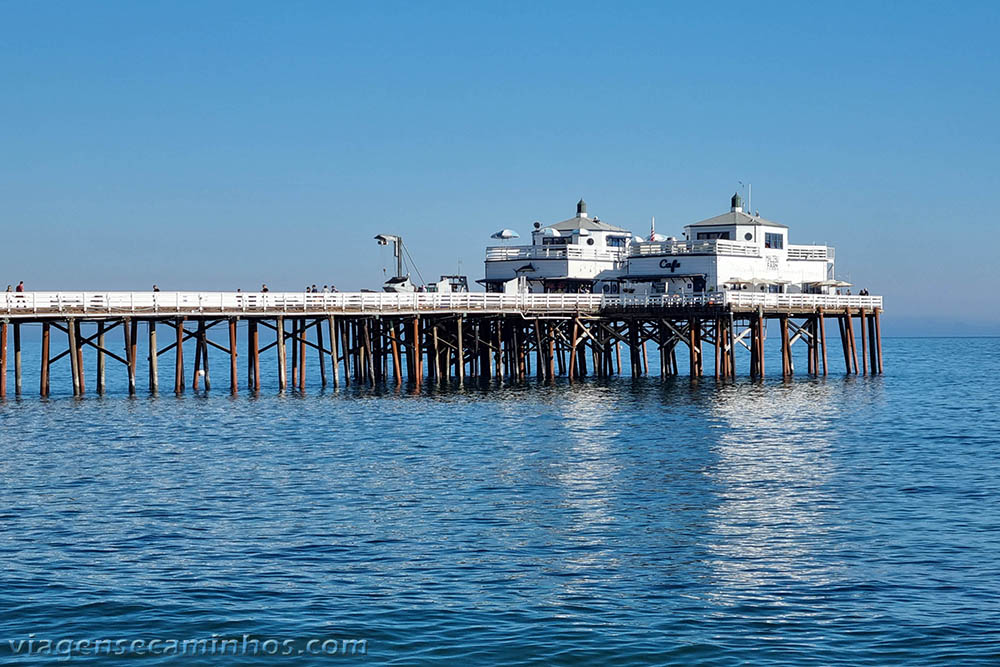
x=736 y=218
x=584 y=223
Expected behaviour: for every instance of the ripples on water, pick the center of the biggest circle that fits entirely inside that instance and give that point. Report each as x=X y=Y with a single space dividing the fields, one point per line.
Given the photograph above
x=840 y=520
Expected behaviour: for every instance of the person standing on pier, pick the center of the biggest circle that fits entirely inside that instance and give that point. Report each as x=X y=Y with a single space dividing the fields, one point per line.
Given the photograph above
x=263 y=288
x=20 y=287
x=156 y=288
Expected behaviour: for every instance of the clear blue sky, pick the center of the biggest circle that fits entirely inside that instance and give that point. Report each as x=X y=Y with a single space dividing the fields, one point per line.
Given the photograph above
x=222 y=144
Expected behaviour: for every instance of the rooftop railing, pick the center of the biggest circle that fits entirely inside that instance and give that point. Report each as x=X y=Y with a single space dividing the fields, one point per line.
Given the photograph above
x=704 y=247
x=810 y=252
x=529 y=252
x=33 y=305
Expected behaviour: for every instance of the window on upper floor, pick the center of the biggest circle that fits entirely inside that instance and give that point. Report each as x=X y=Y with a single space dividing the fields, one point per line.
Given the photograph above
x=556 y=240
x=704 y=236
x=774 y=241
x=615 y=241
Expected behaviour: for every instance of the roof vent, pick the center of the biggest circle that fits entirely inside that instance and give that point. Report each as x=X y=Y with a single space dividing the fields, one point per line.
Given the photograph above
x=737 y=203
x=581 y=209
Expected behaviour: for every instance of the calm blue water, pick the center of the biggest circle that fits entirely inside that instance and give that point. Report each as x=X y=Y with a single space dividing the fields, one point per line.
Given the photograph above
x=846 y=520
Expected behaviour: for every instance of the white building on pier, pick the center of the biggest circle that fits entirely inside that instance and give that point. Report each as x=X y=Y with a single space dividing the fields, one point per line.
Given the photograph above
x=735 y=251
x=732 y=251
x=581 y=254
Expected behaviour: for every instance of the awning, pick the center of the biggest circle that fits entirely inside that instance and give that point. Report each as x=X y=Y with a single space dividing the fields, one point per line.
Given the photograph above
x=527 y=268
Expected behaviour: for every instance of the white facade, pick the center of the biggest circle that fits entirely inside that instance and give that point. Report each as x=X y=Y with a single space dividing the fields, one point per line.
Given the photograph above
x=732 y=251
x=581 y=254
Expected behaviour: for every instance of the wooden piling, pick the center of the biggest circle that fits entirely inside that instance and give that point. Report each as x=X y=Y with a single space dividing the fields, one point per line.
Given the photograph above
x=254 y=363
x=321 y=351
x=822 y=337
x=233 y=370
x=154 y=379
x=864 y=342
x=303 y=334
x=282 y=370
x=331 y=328
x=848 y=321
x=878 y=337
x=74 y=359
x=3 y=359
x=460 y=352
x=18 y=374
x=79 y=356
x=872 y=343
x=418 y=370
x=43 y=375
x=129 y=332
x=786 y=352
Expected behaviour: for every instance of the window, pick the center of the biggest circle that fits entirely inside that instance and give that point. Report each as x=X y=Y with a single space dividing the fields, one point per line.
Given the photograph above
x=775 y=241
x=555 y=240
x=616 y=241
x=704 y=236
x=748 y=236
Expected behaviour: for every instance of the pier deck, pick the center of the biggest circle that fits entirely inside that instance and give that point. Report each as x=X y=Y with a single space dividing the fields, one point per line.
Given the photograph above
x=375 y=337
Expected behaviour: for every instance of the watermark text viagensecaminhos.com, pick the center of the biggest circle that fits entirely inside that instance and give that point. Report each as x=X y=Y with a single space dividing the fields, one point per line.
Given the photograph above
x=64 y=648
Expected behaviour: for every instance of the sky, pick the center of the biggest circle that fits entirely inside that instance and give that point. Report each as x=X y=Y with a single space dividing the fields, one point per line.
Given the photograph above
x=221 y=145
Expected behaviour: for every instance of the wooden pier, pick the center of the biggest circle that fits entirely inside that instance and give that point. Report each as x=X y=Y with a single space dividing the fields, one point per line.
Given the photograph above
x=376 y=338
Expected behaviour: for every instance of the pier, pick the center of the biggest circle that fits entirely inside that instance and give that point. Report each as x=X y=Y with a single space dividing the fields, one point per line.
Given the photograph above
x=376 y=338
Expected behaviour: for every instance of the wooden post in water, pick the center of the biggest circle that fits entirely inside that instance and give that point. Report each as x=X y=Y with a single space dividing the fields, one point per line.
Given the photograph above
x=785 y=347
x=418 y=369
x=43 y=376
x=18 y=375
x=303 y=334
x=331 y=328
x=848 y=320
x=79 y=356
x=460 y=353
x=872 y=349
x=129 y=334
x=201 y=355
x=822 y=337
x=3 y=359
x=692 y=348
x=101 y=360
x=322 y=353
x=154 y=379
x=254 y=363
x=233 y=370
x=864 y=342
x=74 y=359
x=878 y=337
x=282 y=370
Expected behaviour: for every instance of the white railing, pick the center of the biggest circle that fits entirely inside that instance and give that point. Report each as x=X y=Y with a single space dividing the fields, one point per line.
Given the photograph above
x=810 y=252
x=705 y=247
x=768 y=300
x=529 y=252
x=31 y=304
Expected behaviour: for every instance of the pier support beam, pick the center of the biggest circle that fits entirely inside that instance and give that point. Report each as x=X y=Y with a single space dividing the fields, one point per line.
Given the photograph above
x=18 y=371
x=74 y=359
x=101 y=360
x=43 y=375
x=282 y=370
x=179 y=357
x=154 y=377
x=3 y=359
x=878 y=337
x=129 y=329
x=233 y=370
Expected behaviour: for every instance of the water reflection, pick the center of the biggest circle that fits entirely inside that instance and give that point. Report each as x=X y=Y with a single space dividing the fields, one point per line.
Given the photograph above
x=777 y=508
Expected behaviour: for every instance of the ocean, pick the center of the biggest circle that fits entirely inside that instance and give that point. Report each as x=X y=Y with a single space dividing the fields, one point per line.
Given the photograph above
x=839 y=520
